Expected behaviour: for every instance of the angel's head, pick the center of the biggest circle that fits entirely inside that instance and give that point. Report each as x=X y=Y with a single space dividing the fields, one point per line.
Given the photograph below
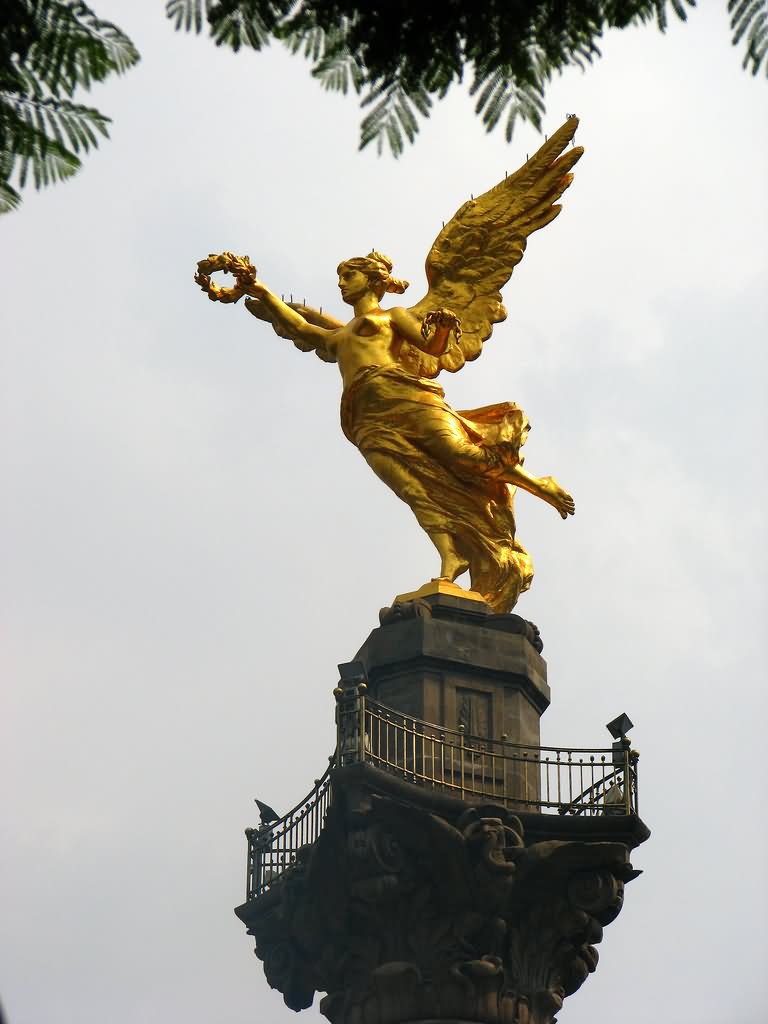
x=367 y=273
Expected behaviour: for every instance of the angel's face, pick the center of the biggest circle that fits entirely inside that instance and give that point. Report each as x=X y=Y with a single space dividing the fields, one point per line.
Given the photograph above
x=353 y=284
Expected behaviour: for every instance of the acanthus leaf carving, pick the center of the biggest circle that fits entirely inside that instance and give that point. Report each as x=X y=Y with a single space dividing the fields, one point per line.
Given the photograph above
x=404 y=913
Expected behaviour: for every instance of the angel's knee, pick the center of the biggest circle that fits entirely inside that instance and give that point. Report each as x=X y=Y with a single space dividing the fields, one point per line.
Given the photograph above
x=396 y=476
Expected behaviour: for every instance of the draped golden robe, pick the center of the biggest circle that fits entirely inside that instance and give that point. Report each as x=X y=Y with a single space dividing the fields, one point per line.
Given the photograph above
x=448 y=466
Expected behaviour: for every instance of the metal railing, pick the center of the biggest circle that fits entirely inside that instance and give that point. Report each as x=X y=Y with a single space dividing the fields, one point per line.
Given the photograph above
x=275 y=847
x=574 y=780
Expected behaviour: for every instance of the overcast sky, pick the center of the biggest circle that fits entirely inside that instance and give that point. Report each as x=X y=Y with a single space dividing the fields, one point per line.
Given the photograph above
x=190 y=545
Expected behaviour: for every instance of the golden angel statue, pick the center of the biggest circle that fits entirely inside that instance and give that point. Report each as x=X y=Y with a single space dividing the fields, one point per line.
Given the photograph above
x=457 y=470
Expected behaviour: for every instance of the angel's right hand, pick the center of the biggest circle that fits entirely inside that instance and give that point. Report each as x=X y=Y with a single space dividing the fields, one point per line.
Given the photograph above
x=254 y=305
x=256 y=289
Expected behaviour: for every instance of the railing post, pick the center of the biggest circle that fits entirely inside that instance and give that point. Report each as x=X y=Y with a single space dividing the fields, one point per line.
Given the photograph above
x=350 y=723
x=461 y=758
x=338 y=693
x=504 y=738
x=249 y=870
x=625 y=761
x=633 y=758
x=362 y=689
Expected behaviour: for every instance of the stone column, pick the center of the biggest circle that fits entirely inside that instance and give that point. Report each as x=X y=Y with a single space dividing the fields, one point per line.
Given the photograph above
x=418 y=903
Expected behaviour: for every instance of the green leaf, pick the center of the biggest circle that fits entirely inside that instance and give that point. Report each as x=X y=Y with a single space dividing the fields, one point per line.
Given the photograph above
x=403 y=56
x=749 y=20
x=43 y=136
x=9 y=198
x=393 y=116
x=53 y=48
x=188 y=14
x=76 y=48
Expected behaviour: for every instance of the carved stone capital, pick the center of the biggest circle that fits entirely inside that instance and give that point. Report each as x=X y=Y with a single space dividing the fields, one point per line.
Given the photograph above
x=413 y=908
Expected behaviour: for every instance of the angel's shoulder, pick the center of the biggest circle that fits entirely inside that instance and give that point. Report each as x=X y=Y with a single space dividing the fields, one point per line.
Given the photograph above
x=401 y=314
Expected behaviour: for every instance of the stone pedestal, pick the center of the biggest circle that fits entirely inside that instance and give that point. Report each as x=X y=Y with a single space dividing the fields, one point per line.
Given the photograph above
x=452 y=662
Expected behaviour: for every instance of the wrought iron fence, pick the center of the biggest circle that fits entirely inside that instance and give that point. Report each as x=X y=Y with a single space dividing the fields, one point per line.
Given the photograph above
x=574 y=780
x=275 y=847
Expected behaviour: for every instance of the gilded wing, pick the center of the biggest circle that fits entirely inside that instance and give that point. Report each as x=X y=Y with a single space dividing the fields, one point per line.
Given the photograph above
x=311 y=315
x=474 y=255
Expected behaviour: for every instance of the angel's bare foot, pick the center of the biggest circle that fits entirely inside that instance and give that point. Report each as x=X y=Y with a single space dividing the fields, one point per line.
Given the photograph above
x=551 y=491
x=451 y=562
x=451 y=568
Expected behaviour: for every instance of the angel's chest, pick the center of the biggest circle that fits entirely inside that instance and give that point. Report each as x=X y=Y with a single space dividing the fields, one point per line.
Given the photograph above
x=370 y=327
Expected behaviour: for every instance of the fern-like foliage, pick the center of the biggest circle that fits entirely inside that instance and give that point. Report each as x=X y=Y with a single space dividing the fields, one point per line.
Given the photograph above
x=749 y=21
x=48 y=50
x=401 y=55
x=233 y=23
x=393 y=115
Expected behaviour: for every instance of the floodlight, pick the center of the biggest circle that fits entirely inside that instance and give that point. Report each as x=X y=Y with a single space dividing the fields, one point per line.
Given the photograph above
x=619 y=727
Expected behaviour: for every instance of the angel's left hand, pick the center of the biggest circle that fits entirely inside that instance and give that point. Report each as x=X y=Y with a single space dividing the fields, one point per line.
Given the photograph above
x=440 y=318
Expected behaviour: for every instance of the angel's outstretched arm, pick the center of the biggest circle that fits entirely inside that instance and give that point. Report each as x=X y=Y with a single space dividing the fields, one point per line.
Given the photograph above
x=544 y=487
x=292 y=322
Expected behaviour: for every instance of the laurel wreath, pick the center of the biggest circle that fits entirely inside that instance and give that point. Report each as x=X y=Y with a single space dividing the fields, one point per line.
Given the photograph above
x=240 y=266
